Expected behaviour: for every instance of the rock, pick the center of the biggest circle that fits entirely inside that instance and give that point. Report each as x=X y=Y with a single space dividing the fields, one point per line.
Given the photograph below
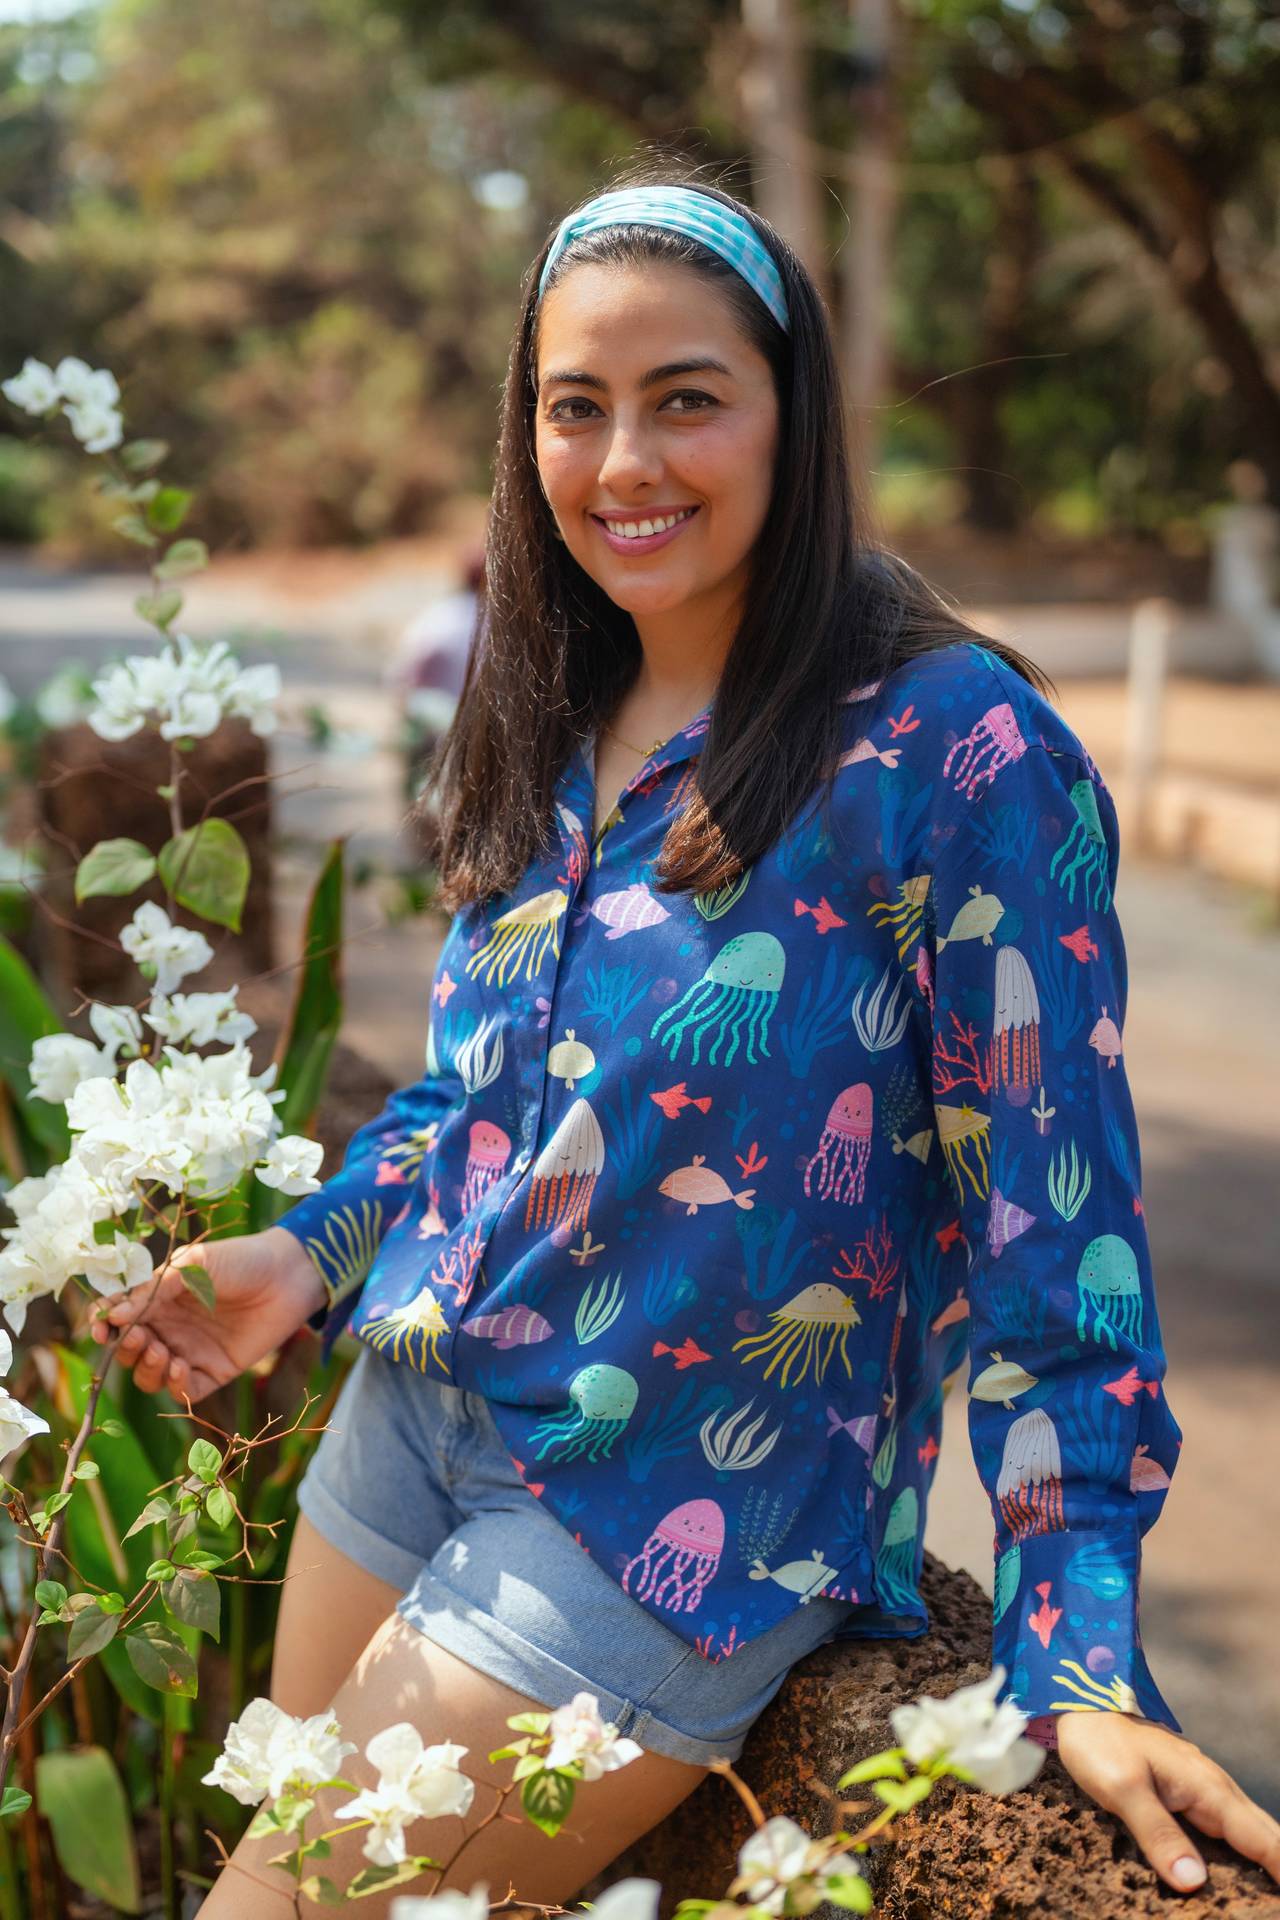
x=91 y=789
x=1048 y=1851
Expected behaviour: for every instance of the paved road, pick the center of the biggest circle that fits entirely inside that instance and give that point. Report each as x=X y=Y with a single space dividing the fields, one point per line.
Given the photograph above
x=1203 y=1049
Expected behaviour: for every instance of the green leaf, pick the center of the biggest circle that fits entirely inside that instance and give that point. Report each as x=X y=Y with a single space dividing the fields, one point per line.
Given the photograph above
x=220 y=1507
x=161 y=1570
x=90 y=1632
x=263 y=1823
x=376 y=1879
x=167 y=511
x=160 y=1658
x=114 y=866
x=198 y=1558
x=195 y=1597
x=55 y=1503
x=134 y=527
x=206 y=869
x=159 y=608
x=527 y=1765
x=114 y=1429
x=316 y=1014
x=877 y=1767
x=111 y=1602
x=87 y=1470
x=82 y=1797
x=157 y=1509
x=849 y=1890
x=13 y=1801
x=183 y=557
x=530 y=1722
x=50 y=1593
x=547 y=1799
x=26 y=1016
x=902 y=1796
x=204 y=1459
x=196 y=1280
x=319 y=1888
x=139 y=456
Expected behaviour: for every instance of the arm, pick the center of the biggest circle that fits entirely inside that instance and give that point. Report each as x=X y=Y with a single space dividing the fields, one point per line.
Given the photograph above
x=1071 y=1432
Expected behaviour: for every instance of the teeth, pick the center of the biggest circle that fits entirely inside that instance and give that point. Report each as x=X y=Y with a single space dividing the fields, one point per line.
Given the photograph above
x=637 y=529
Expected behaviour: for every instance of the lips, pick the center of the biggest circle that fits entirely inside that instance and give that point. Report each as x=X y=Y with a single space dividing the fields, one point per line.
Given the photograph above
x=648 y=542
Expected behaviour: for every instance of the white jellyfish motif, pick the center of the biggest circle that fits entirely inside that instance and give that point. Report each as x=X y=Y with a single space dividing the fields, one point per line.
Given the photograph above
x=1017 y=1022
x=680 y=1558
x=1029 y=1489
x=566 y=1171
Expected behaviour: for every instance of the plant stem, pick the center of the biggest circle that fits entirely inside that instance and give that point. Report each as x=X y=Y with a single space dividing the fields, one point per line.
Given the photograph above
x=168 y=1881
x=10 y=1902
x=238 y=1598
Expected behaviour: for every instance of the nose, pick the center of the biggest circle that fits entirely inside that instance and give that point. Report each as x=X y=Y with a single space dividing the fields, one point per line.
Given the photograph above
x=631 y=459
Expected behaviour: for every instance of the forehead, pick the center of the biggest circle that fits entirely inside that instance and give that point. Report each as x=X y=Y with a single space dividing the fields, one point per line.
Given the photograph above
x=635 y=315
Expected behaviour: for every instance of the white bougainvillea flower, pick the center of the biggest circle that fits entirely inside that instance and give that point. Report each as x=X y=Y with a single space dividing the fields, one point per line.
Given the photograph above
x=56 y=1237
x=6 y=1351
x=61 y=1061
x=448 y=1904
x=185 y=691
x=17 y=1424
x=291 y=1165
x=267 y=1751
x=98 y=429
x=579 y=1733
x=414 y=1783
x=84 y=386
x=164 y=952
x=64 y=698
x=118 y=1028
x=35 y=389
x=628 y=1900
x=199 y=1019
x=780 y=1865
x=980 y=1740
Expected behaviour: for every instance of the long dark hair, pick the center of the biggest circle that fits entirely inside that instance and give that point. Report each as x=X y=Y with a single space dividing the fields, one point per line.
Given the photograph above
x=828 y=609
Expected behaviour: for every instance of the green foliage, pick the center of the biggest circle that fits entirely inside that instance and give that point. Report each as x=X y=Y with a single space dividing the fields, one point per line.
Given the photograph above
x=161 y=1660
x=25 y=1016
x=547 y=1798
x=206 y=869
x=81 y=1795
x=115 y=867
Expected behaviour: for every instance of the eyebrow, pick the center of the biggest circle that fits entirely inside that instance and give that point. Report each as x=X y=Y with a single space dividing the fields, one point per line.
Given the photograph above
x=672 y=370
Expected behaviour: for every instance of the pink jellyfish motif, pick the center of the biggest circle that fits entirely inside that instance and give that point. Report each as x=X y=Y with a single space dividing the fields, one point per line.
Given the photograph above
x=488 y=1150
x=680 y=1558
x=994 y=743
x=844 y=1148
x=566 y=1171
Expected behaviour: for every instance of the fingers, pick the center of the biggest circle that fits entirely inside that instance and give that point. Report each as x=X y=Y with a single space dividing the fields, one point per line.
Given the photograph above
x=1160 y=1837
x=1210 y=1797
x=140 y=1348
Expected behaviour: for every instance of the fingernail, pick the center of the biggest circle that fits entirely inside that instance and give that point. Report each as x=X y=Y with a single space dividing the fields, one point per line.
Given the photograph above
x=1187 y=1872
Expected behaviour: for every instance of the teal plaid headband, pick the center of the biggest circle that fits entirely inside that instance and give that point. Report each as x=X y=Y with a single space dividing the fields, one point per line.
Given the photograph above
x=683 y=210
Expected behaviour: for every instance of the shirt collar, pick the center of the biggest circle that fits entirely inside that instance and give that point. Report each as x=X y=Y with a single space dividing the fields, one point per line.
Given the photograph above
x=577 y=782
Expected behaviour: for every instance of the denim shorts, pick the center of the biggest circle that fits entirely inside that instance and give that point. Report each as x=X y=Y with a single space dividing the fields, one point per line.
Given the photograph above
x=415 y=1484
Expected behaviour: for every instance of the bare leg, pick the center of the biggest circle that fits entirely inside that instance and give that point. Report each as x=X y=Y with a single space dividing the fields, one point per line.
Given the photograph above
x=329 y=1610
x=401 y=1675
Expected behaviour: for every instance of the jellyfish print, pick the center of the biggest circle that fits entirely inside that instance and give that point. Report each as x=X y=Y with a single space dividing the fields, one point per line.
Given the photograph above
x=1084 y=851
x=735 y=995
x=905 y=914
x=994 y=742
x=410 y=1332
x=680 y=1558
x=521 y=938
x=965 y=1138
x=844 y=1148
x=1111 y=1288
x=488 y=1150
x=896 y=1560
x=1017 y=1023
x=566 y=1171
x=603 y=1399
x=805 y=1334
x=1029 y=1487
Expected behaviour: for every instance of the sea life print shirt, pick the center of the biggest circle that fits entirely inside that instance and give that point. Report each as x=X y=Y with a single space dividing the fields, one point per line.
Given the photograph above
x=710 y=1195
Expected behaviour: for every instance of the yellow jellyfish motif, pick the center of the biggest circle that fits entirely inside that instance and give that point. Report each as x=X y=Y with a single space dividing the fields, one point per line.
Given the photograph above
x=520 y=938
x=905 y=914
x=566 y=1171
x=814 y=1316
x=965 y=1136
x=1116 y=1697
x=410 y=1332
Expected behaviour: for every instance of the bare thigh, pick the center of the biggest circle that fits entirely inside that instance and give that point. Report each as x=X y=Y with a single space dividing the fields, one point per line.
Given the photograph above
x=401 y=1675
x=330 y=1609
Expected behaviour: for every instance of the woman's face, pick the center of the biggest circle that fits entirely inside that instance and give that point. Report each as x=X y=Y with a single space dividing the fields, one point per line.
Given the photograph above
x=651 y=403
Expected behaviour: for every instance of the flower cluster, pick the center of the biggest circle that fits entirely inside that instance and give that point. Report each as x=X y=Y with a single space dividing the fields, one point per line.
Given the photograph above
x=579 y=1734
x=17 y=1423
x=414 y=1783
x=782 y=1869
x=88 y=399
x=185 y=691
x=268 y=1751
x=971 y=1736
x=187 y=1123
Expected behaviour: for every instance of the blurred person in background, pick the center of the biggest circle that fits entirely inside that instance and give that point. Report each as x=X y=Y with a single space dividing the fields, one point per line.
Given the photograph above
x=427 y=672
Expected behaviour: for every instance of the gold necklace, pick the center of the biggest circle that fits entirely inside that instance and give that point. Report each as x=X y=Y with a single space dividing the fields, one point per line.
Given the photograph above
x=631 y=747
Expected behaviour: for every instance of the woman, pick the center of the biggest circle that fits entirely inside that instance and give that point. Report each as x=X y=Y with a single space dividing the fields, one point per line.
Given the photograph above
x=774 y=1064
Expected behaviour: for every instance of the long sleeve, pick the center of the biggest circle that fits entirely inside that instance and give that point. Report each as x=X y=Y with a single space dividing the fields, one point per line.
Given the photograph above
x=1072 y=1436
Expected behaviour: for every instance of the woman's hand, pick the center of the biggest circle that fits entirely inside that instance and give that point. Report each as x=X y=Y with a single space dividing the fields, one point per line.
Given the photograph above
x=264 y=1286
x=1145 y=1773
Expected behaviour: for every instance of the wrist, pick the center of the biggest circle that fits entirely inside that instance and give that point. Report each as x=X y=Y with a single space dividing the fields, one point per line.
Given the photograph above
x=300 y=1277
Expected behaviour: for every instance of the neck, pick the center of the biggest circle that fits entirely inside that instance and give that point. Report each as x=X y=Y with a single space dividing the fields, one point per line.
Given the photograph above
x=682 y=655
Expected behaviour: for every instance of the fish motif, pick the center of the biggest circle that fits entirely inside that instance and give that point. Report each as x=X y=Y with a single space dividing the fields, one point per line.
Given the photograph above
x=674 y=1100
x=824 y=914
x=865 y=692
x=950 y=1316
x=432 y=1221
x=687 y=1354
x=805 y=1577
x=1105 y=1039
x=443 y=987
x=570 y=1060
x=977 y=919
x=947 y=1236
x=1001 y=1382
x=861 y=1429
x=1045 y=1618
x=917 y=1146
x=513 y=1327
x=535 y=1486
x=1080 y=944
x=928 y=1452
x=390 y=1175
x=628 y=910
x=867 y=750
x=1145 y=1474
x=1005 y=1221
x=701 y=1186
x=1127 y=1388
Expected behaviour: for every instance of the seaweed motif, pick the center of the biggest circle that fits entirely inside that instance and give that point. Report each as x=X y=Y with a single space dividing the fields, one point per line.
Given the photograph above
x=670 y=1427
x=803 y=847
x=477 y=1062
x=1006 y=835
x=349 y=1246
x=769 y=1257
x=1068 y=1190
x=601 y=1303
x=762 y=1526
x=1018 y=1304
x=901 y=1104
x=881 y=1023
x=611 y=993
x=740 y=1117
x=719 y=899
x=1093 y=1433
x=1057 y=983
x=729 y=1450
x=821 y=1011
x=666 y=1289
x=1118 y=1148
x=904 y=822
x=1005 y=1166
x=636 y=1126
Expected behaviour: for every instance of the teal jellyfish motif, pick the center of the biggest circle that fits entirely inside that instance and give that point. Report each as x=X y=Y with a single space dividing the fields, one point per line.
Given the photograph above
x=738 y=992
x=1084 y=850
x=1109 y=1284
x=896 y=1560
x=603 y=1399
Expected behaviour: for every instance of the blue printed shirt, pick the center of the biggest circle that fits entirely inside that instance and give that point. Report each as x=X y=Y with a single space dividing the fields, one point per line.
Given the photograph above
x=710 y=1196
